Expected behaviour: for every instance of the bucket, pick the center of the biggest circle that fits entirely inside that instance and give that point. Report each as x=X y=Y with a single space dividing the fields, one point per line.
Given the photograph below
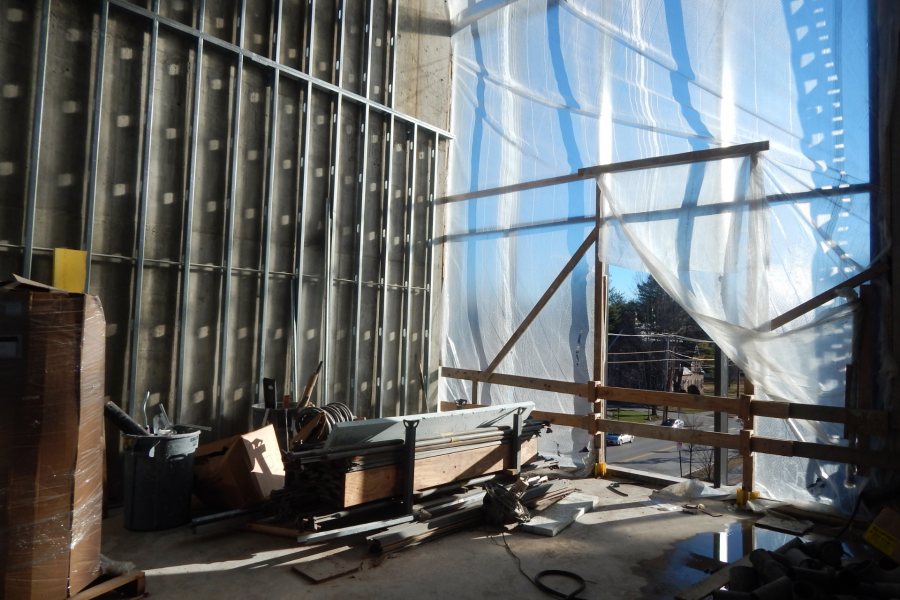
x=159 y=479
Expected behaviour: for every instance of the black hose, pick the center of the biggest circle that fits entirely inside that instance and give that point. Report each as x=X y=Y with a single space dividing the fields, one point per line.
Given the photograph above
x=578 y=579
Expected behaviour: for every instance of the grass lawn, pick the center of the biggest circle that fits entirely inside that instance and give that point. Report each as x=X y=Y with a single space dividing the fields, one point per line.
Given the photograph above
x=644 y=415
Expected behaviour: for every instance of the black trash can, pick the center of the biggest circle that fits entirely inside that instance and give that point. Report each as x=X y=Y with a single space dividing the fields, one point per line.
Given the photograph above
x=159 y=475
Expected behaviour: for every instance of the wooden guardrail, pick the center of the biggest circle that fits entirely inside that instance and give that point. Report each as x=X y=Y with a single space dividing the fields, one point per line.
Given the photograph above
x=867 y=422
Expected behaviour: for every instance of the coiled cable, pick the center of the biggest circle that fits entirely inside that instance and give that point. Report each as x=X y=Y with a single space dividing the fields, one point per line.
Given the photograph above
x=314 y=423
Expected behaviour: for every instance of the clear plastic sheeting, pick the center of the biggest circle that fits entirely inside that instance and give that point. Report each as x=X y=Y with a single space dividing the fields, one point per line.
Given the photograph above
x=543 y=88
x=735 y=260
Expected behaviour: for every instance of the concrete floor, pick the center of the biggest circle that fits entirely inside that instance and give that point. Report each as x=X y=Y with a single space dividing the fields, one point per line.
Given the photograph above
x=629 y=547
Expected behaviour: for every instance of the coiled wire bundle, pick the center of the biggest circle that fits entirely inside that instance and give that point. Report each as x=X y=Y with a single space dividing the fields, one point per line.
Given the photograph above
x=314 y=423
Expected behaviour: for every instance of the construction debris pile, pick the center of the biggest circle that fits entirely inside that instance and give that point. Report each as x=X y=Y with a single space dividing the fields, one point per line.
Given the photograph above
x=809 y=570
x=341 y=477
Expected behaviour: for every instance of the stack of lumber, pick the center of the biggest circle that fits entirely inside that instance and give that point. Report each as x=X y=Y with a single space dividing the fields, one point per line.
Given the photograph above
x=345 y=477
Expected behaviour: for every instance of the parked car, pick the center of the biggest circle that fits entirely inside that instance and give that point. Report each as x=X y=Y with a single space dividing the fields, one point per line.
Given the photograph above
x=672 y=423
x=617 y=439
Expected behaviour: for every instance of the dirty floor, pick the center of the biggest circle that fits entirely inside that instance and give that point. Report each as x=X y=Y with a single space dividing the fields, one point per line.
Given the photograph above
x=629 y=547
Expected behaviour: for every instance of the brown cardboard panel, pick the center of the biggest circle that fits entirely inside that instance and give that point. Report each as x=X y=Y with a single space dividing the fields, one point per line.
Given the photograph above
x=239 y=471
x=52 y=415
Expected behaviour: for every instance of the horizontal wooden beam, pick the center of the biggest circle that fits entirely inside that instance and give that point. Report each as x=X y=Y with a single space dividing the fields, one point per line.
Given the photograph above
x=649 y=397
x=515 y=187
x=669 y=160
x=817 y=301
x=672 y=434
x=585 y=390
x=672 y=160
x=830 y=453
x=580 y=421
x=862 y=421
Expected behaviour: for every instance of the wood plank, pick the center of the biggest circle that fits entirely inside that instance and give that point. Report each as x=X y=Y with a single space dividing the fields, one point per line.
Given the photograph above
x=439 y=470
x=681 y=158
x=324 y=568
x=369 y=485
x=585 y=390
x=509 y=189
x=817 y=301
x=672 y=434
x=131 y=583
x=650 y=397
x=580 y=421
x=867 y=421
x=544 y=299
x=839 y=454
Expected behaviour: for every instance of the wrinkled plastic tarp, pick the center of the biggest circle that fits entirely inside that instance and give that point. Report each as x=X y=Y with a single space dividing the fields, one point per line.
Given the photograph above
x=544 y=88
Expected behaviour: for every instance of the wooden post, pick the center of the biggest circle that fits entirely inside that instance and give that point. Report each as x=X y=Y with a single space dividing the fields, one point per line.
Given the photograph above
x=862 y=383
x=720 y=455
x=748 y=420
x=600 y=341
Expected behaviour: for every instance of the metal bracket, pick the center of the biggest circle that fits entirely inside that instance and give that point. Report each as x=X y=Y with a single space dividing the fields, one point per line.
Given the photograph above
x=517 y=441
x=409 y=449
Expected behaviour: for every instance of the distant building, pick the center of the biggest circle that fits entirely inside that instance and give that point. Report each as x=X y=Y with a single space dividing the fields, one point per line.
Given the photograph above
x=692 y=375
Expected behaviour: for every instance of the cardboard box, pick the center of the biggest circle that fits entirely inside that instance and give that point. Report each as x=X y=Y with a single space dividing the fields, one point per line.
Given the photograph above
x=884 y=533
x=52 y=353
x=240 y=471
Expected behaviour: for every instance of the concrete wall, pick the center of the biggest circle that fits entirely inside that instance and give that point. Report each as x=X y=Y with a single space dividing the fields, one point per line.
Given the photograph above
x=255 y=193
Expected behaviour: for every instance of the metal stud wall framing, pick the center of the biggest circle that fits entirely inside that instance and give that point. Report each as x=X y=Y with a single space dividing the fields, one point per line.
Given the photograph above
x=251 y=200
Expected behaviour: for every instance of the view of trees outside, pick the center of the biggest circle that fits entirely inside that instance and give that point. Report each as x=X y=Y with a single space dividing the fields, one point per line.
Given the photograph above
x=654 y=344
x=652 y=340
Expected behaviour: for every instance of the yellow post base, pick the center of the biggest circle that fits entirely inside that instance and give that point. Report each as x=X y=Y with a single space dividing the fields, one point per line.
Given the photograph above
x=744 y=496
x=600 y=470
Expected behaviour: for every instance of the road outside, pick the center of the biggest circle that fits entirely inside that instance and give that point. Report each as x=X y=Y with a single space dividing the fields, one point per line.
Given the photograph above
x=664 y=457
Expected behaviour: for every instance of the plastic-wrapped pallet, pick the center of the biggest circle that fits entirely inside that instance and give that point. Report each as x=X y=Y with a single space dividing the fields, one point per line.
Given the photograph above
x=52 y=354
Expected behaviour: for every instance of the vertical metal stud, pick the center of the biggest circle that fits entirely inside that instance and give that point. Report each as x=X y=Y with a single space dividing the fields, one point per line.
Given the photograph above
x=137 y=294
x=429 y=264
x=392 y=51
x=332 y=201
x=385 y=236
x=339 y=35
x=188 y=227
x=361 y=222
x=87 y=240
x=311 y=38
x=408 y=259
x=328 y=280
x=37 y=123
x=360 y=243
x=262 y=335
x=367 y=51
x=300 y=236
x=229 y=225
